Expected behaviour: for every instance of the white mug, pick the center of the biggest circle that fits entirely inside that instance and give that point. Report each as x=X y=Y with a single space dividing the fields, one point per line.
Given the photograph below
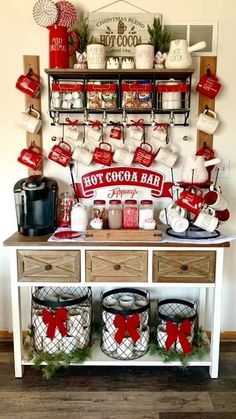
x=159 y=133
x=215 y=199
x=73 y=133
x=144 y=56
x=82 y=155
x=206 y=220
x=94 y=134
x=123 y=156
x=167 y=155
x=207 y=123
x=28 y=122
x=136 y=133
x=174 y=216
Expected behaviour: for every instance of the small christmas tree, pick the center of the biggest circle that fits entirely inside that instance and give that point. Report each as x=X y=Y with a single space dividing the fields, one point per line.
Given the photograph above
x=160 y=39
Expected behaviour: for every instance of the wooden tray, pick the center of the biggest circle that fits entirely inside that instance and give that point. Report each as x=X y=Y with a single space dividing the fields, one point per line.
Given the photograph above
x=113 y=235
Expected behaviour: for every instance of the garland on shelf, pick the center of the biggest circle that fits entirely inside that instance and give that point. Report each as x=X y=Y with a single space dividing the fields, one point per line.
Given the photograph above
x=50 y=363
x=199 y=349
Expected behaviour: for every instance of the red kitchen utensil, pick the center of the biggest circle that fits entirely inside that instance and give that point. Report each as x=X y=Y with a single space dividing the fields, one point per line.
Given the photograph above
x=102 y=155
x=61 y=153
x=208 y=85
x=59 y=48
x=142 y=156
x=45 y=12
x=31 y=157
x=66 y=13
x=67 y=234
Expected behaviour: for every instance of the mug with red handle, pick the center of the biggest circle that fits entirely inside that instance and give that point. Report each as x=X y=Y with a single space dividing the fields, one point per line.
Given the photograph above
x=29 y=84
x=142 y=156
x=31 y=157
x=61 y=153
x=191 y=199
x=103 y=154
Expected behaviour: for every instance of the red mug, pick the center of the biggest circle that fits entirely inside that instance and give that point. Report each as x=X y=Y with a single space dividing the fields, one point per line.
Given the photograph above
x=191 y=199
x=208 y=85
x=142 y=156
x=101 y=155
x=59 y=47
x=61 y=153
x=31 y=157
x=29 y=84
x=222 y=215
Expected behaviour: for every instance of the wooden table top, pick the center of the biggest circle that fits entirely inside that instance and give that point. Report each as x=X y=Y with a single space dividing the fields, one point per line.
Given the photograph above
x=19 y=240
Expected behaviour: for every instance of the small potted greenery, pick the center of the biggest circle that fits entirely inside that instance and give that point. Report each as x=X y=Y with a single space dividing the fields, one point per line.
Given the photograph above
x=160 y=39
x=81 y=28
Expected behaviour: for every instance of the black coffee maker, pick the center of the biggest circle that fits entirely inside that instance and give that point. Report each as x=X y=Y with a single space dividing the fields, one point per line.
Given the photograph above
x=36 y=205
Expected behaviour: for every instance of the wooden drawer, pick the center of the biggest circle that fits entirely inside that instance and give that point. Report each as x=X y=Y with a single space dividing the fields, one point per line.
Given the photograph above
x=49 y=266
x=183 y=266
x=116 y=266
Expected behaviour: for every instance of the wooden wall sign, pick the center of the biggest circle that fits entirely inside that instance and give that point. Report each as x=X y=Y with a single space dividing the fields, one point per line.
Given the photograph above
x=120 y=32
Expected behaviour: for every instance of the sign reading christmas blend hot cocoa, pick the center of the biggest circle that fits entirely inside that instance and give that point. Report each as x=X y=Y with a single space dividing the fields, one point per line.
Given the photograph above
x=120 y=32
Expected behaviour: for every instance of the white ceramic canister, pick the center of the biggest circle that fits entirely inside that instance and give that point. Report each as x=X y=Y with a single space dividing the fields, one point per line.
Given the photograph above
x=96 y=56
x=79 y=217
x=144 y=56
x=171 y=100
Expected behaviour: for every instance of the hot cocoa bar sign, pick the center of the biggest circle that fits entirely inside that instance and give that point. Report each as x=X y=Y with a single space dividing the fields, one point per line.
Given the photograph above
x=120 y=32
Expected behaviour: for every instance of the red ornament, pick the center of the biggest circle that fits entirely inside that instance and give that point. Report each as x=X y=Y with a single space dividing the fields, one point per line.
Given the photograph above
x=181 y=331
x=55 y=320
x=125 y=325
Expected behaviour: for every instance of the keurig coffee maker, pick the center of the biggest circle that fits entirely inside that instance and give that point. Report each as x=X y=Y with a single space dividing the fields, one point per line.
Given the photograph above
x=36 y=205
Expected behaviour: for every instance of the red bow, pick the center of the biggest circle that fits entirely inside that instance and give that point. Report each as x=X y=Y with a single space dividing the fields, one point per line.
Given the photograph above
x=95 y=124
x=161 y=125
x=181 y=331
x=126 y=324
x=139 y=123
x=75 y=122
x=54 y=320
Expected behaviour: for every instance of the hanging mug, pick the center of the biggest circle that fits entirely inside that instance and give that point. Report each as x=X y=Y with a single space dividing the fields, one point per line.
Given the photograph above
x=28 y=122
x=191 y=199
x=166 y=155
x=142 y=156
x=31 y=157
x=61 y=153
x=215 y=199
x=102 y=155
x=29 y=84
x=206 y=220
x=208 y=85
x=160 y=132
x=207 y=123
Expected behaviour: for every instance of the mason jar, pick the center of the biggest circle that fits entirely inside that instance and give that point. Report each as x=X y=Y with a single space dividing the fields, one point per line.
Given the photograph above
x=130 y=214
x=79 y=217
x=99 y=211
x=146 y=211
x=115 y=214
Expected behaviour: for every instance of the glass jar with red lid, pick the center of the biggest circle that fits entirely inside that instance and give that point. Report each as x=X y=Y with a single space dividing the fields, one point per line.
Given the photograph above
x=115 y=214
x=146 y=211
x=130 y=214
x=99 y=210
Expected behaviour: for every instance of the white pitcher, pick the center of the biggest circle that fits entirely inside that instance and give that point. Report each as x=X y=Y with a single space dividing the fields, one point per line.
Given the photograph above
x=194 y=169
x=179 y=55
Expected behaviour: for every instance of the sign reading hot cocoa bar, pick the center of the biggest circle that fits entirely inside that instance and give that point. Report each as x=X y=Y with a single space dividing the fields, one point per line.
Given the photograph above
x=120 y=32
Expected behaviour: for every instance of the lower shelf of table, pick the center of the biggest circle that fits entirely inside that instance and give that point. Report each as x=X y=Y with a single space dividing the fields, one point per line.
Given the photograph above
x=98 y=358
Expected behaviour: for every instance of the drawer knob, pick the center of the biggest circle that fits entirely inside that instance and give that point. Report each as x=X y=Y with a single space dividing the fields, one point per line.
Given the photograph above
x=184 y=267
x=117 y=267
x=48 y=267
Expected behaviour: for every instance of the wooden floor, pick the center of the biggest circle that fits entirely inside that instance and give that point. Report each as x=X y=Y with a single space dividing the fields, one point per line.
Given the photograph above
x=120 y=393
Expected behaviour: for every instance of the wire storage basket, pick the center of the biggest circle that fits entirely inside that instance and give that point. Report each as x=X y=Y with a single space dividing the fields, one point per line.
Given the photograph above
x=125 y=323
x=61 y=319
x=176 y=324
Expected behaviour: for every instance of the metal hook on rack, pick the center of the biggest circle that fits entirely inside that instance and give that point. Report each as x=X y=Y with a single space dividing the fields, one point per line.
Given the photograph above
x=152 y=118
x=56 y=118
x=104 y=119
x=172 y=119
x=216 y=178
x=124 y=118
x=86 y=117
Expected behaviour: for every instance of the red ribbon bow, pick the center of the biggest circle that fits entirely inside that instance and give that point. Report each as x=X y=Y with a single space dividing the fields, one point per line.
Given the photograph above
x=138 y=123
x=181 y=331
x=161 y=125
x=74 y=122
x=126 y=324
x=54 y=320
x=95 y=124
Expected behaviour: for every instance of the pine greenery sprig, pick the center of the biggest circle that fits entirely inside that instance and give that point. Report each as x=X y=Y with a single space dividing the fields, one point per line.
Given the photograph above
x=159 y=36
x=81 y=28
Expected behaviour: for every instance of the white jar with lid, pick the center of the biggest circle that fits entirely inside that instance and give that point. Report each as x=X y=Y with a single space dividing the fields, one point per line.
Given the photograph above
x=171 y=99
x=79 y=217
x=146 y=212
